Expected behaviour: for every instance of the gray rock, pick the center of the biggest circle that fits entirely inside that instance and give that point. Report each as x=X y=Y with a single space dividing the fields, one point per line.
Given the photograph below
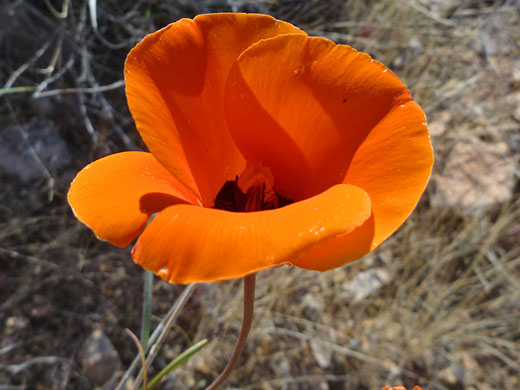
x=99 y=359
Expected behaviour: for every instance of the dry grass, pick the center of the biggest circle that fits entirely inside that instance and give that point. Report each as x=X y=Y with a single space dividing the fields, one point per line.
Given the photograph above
x=447 y=311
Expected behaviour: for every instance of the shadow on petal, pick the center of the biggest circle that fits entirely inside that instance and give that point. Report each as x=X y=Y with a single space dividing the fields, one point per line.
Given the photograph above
x=186 y=77
x=155 y=201
x=264 y=140
x=313 y=103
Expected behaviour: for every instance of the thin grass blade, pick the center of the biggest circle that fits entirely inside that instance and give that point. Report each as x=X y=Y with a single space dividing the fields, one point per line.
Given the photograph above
x=177 y=362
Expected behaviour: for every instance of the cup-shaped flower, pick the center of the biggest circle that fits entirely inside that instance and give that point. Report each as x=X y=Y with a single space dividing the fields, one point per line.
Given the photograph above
x=231 y=102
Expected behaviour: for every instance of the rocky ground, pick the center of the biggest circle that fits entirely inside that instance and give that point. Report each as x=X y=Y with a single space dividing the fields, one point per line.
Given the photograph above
x=437 y=305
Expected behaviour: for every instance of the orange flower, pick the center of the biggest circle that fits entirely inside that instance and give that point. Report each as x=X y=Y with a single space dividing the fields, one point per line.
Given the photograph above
x=387 y=387
x=327 y=132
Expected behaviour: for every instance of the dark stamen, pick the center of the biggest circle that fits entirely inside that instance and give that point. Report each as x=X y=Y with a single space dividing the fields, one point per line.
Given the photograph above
x=231 y=198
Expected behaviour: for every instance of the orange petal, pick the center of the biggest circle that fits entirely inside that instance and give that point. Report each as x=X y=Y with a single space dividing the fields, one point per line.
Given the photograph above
x=116 y=195
x=323 y=114
x=393 y=164
x=174 y=83
x=312 y=103
x=185 y=244
x=339 y=250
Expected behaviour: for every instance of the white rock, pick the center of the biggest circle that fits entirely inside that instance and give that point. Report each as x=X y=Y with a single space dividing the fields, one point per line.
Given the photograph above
x=439 y=124
x=321 y=353
x=366 y=282
x=477 y=175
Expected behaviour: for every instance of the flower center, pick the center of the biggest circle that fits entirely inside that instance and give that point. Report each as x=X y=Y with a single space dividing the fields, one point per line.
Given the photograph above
x=253 y=190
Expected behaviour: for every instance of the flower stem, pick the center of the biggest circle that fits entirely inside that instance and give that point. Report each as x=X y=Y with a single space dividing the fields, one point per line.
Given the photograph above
x=255 y=201
x=249 y=302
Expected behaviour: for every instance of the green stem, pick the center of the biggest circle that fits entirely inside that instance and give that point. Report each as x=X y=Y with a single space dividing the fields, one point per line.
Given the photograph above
x=147 y=309
x=249 y=303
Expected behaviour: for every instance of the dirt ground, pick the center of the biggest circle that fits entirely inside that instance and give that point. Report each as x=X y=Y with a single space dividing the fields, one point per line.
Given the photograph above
x=437 y=305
